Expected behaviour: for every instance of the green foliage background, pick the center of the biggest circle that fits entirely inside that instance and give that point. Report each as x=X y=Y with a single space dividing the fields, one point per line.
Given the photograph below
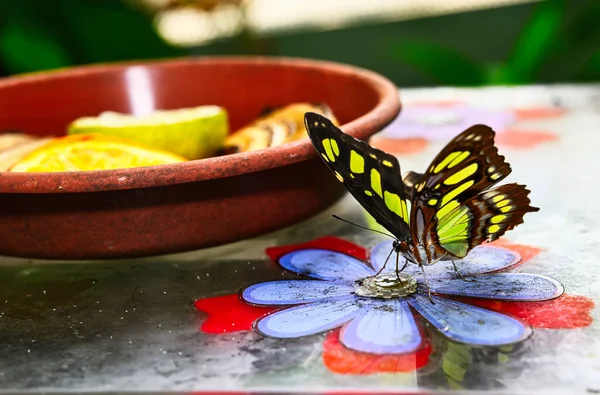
x=547 y=41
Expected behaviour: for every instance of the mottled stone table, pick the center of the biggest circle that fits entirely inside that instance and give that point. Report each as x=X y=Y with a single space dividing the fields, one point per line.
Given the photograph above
x=131 y=325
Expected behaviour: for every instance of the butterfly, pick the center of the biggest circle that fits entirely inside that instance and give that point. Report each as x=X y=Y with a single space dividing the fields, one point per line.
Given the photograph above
x=441 y=214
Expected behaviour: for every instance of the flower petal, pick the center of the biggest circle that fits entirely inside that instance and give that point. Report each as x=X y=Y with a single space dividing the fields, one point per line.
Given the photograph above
x=442 y=122
x=526 y=252
x=524 y=138
x=482 y=259
x=501 y=286
x=564 y=312
x=309 y=319
x=327 y=243
x=536 y=113
x=325 y=265
x=468 y=324
x=384 y=327
x=342 y=360
x=287 y=292
x=227 y=313
x=400 y=145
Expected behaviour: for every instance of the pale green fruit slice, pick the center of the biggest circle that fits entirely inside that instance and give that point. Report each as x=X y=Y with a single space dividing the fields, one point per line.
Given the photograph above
x=193 y=133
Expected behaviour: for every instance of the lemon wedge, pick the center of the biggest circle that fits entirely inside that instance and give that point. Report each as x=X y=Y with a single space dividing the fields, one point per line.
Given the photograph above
x=92 y=152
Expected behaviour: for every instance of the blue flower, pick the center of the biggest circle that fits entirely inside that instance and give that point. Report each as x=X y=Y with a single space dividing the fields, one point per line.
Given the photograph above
x=388 y=326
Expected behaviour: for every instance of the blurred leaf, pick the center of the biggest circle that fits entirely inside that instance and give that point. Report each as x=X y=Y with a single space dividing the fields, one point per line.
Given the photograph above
x=591 y=69
x=25 y=48
x=535 y=41
x=497 y=74
x=558 y=43
x=444 y=65
x=576 y=44
x=39 y=35
x=112 y=31
x=26 y=44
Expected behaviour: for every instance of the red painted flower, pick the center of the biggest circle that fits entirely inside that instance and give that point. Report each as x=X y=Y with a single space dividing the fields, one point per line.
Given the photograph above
x=420 y=123
x=361 y=348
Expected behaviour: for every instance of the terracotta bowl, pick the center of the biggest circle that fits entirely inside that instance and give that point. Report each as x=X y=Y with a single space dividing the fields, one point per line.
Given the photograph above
x=185 y=206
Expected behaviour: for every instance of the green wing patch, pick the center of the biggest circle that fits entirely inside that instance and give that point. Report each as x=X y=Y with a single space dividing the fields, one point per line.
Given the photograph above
x=468 y=165
x=485 y=217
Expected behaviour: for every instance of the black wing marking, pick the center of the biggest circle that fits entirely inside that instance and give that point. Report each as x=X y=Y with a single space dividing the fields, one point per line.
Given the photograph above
x=372 y=176
x=411 y=179
x=497 y=211
x=466 y=166
x=469 y=156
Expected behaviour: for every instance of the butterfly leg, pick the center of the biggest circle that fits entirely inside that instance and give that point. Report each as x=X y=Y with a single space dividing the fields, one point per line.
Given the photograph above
x=403 y=267
x=385 y=263
x=427 y=284
x=398 y=271
x=457 y=272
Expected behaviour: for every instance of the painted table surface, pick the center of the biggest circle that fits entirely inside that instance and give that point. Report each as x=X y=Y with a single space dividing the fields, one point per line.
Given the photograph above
x=132 y=324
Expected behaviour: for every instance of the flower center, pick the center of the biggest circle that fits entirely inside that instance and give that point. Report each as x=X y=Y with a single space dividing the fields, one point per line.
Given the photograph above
x=387 y=286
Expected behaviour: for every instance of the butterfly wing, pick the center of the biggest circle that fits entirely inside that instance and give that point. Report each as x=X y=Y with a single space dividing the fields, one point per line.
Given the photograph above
x=470 y=158
x=411 y=179
x=450 y=212
x=372 y=176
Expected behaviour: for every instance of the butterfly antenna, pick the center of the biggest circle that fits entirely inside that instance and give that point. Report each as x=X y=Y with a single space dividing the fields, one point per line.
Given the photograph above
x=363 y=227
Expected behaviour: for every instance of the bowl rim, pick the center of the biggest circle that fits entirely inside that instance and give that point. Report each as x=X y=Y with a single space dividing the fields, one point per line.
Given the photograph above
x=384 y=112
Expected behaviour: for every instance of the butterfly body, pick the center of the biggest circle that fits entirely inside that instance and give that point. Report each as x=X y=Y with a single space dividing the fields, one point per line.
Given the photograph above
x=439 y=215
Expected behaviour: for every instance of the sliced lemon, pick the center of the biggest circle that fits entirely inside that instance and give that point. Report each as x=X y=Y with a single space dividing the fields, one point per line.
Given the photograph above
x=12 y=155
x=193 y=133
x=92 y=152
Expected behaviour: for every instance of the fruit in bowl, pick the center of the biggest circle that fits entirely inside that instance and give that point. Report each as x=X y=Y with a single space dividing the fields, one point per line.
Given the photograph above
x=113 y=140
x=187 y=205
x=92 y=152
x=193 y=133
